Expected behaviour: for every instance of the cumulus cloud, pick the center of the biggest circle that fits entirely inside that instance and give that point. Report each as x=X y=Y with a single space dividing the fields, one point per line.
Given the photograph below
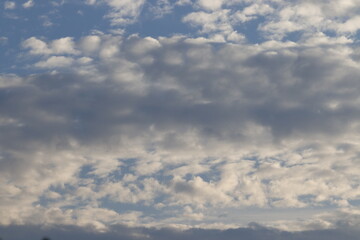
x=55 y=61
x=175 y=126
x=90 y=44
x=59 y=52
x=59 y=46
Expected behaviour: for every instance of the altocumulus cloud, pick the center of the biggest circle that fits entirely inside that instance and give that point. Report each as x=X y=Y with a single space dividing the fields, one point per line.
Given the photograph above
x=176 y=123
x=121 y=136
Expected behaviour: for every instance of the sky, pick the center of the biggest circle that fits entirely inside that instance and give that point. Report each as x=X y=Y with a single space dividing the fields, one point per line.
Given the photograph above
x=180 y=119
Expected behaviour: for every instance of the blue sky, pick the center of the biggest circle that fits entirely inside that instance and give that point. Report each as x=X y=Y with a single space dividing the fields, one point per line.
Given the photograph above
x=182 y=114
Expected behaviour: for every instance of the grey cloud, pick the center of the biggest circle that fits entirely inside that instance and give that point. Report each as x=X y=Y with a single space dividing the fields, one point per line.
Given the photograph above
x=211 y=92
x=212 y=105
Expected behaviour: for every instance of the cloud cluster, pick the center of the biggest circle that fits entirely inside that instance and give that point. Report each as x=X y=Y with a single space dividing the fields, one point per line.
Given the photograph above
x=253 y=21
x=236 y=21
x=59 y=46
x=180 y=130
x=256 y=21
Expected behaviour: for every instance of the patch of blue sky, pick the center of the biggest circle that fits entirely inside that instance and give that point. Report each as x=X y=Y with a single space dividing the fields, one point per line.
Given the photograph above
x=62 y=190
x=212 y=175
x=293 y=36
x=307 y=198
x=250 y=30
x=330 y=33
x=86 y=171
x=44 y=201
x=121 y=207
x=357 y=38
x=44 y=20
x=127 y=166
x=79 y=21
x=254 y=158
x=355 y=202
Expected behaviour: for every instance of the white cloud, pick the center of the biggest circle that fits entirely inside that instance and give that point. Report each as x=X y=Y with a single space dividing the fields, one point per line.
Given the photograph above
x=144 y=46
x=210 y=5
x=9 y=5
x=216 y=21
x=55 y=62
x=110 y=48
x=217 y=25
x=274 y=19
x=37 y=46
x=28 y=4
x=59 y=46
x=90 y=44
x=63 y=46
x=349 y=26
x=257 y=9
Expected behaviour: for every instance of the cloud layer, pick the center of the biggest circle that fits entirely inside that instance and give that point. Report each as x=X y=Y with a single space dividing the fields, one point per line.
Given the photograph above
x=180 y=129
x=253 y=116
